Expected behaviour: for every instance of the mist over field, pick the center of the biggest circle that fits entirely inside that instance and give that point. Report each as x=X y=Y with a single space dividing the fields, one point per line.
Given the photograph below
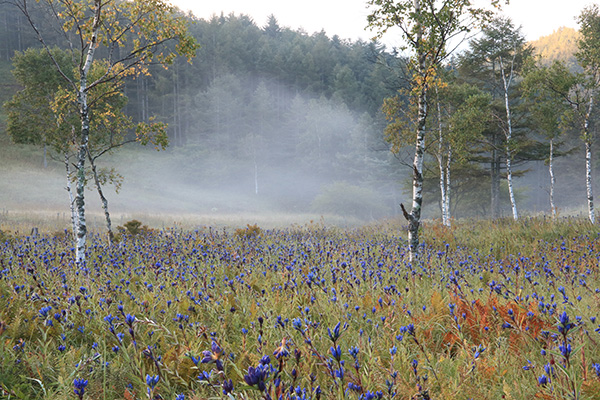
x=269 y=124
x=259 y=179
x=218 y=178
x=189 y=184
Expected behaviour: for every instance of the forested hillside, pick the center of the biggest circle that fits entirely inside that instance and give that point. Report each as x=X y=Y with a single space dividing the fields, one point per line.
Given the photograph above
x=270 y=118
x=561 y=45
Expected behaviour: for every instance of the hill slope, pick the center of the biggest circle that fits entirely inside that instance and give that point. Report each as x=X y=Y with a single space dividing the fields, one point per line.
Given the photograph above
x=561 y=45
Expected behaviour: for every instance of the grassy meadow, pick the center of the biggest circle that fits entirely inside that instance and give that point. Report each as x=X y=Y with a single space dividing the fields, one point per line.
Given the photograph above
x=493 y=310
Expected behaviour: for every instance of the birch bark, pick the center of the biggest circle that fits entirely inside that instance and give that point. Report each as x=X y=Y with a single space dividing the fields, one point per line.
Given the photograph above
x=552 y=178
x=588 y=160
x=495 y=177
x=71 y=198
x=588 y=181
x=414 y=218
x=443 y=183
x=85 y=135
x=507 y=82
x=448 y=162
x=111 y=236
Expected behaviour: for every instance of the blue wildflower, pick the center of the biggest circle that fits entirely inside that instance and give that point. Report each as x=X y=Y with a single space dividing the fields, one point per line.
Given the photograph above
x=564 y=325
x=336 y=352
x=80 y=385
x=227 y=386
x=596 y=367
x=256 y=376
x=130 y=319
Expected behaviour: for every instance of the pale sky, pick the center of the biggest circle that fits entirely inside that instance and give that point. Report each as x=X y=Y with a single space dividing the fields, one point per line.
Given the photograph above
x=347 y=18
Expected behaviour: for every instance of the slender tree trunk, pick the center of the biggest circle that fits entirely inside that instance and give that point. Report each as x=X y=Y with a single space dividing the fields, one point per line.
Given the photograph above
x=552 y=178
x=588 y=160
x=80 y=187
x=441 y=167
x=71 y=198
x=443 y=194
x=448 y=161
x=414 y=218
x=111 y=236
x=495 y=178
x=85 y=135
x=588 y=180
x=511 y=191
x=507 y=81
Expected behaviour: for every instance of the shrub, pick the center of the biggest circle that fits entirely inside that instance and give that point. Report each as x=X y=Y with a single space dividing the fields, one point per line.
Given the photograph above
x=5 y=237
x=133 y=228
x=250 y=231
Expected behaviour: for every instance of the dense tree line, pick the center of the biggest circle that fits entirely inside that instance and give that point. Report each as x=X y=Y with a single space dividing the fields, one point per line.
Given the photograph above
x=286 y=62
x=276 y=112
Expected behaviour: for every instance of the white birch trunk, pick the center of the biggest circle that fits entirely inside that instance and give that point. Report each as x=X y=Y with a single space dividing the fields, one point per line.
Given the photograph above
x=440 y=158
x=588 y=160
x=111 y=236
x=415 y=214
x=414 y=218
x=84 y=139
x=588 y=181
x=507 y=81
x=443 y=190
x=81 y=231
x=511 y=191
x=552 y=178
x=448 y=161
x=71 y=198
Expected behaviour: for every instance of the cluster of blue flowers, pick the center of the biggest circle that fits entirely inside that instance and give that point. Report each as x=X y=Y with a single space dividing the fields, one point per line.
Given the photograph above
x=220 y=300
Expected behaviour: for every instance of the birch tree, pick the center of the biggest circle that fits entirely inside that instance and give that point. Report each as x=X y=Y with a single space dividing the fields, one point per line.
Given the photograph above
x=463 y=113
x=547 y=90
x=131 y=34
x=427 y=27
x=44 y=102
x=588 y=57
x=444 y=149
x=507 y=71
x=496 y=60
x=577 y=91
x=31 y=108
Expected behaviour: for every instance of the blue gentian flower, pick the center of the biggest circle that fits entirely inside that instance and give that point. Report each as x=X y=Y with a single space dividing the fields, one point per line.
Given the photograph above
x=80 y=385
